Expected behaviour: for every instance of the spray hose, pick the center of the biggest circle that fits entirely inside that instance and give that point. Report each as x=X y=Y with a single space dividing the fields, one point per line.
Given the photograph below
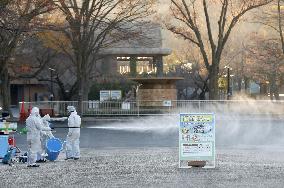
x=24 y=130
x=66 y=127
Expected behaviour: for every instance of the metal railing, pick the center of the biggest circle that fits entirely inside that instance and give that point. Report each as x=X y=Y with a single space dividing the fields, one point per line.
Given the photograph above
x=137 y=108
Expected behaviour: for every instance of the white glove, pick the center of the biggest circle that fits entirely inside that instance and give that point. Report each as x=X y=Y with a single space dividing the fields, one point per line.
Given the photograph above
x=69 y=134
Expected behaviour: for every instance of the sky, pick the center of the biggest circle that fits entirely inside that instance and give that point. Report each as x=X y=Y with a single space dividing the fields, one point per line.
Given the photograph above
x=239 y=34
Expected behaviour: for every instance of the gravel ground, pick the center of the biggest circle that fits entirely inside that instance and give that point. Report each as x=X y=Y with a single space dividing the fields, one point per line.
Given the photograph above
x=151 y=167
x=144 y=154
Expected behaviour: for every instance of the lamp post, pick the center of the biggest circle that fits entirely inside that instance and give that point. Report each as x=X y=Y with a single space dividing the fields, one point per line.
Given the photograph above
x=51 y=83
x=228 y=81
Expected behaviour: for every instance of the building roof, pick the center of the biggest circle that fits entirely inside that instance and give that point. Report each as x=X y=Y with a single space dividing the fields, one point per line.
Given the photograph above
x=144 y=39
x=124 y=51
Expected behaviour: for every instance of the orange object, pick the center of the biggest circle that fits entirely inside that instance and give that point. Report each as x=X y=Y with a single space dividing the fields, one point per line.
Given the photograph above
x=11 y=141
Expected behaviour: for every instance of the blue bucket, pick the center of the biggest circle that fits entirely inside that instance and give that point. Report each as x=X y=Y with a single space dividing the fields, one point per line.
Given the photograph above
x=4 y=145
x=53 y=148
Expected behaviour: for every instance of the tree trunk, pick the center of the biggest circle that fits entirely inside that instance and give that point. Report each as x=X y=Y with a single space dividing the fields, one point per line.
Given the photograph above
x=213 y=82
x=5 y=55
x=80 y=93
x=86 y=87
x=79 y=54
x=271 y=91
x=263 y=89
x=247 y=85
x=83 y=89
x=239 y=83
x=5 y=88
x=274 y=91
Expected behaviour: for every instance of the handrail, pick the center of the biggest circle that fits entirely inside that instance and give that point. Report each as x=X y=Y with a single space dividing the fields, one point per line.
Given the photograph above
x=158 y=107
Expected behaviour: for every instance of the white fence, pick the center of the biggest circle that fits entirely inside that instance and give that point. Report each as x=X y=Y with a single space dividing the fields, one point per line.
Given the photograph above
x=137 y=108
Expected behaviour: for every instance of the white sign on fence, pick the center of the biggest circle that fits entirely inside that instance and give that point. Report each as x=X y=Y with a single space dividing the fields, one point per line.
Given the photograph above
x=104 y=95
x=115 y=94
x=167 y=103
x=107 y=95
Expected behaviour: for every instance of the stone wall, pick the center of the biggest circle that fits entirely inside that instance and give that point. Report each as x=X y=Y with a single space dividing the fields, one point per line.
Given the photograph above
x=155 y=97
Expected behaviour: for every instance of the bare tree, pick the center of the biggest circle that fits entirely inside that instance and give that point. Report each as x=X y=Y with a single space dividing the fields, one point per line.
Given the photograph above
x=91 y=25
x=187 y=63
x=272 y=17
x=17 y=17
x=266 y=63
x=33 y=57
x=189 y=27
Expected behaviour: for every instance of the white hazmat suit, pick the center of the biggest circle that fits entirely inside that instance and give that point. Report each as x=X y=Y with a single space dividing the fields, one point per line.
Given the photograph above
x=34 y=128
x=45 y=135
x=73 y=136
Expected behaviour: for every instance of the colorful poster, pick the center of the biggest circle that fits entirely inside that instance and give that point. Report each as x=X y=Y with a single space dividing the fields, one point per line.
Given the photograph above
x=197 y=138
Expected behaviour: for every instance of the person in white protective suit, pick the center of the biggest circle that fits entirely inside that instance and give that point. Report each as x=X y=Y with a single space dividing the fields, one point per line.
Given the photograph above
x=73 y=136
x=34 y=127
x=44 y=136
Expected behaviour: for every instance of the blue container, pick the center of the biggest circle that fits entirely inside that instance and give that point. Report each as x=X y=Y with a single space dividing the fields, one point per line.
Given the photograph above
x=4 y=146
x=53 y=148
